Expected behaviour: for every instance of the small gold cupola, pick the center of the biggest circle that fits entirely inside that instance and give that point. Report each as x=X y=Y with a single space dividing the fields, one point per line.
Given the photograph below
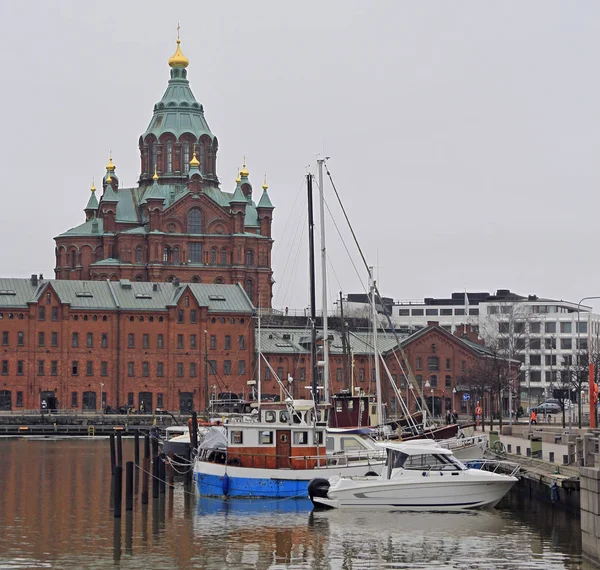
x=178 y=59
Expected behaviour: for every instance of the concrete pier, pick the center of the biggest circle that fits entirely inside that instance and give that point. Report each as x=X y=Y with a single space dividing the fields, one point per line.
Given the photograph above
x=590 y=513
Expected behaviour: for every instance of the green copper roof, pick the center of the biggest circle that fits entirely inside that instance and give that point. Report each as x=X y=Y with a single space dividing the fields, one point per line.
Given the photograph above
x=238 y=196
x=109 y=194
x=178 y=111
x=87 y=228
x=92 y=202
x=265 y=201
x=154 y=193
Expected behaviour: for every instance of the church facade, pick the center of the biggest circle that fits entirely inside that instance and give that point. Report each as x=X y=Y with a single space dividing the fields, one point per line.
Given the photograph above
x=177 y=224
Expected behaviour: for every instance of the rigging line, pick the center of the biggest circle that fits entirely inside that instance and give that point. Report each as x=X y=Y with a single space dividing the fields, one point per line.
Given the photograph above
x=291 y=278
x=411 y=376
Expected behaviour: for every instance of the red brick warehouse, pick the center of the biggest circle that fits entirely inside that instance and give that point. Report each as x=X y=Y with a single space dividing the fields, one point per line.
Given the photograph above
x=82 y=344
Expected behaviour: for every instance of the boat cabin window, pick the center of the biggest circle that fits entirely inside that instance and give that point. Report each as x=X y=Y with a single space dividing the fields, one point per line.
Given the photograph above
x=296 y=418
x=338 y=406
x=266 y=437
x=319 y=438
x=284 y=417
x=237 y=436
x=300 y=437
x=350 y=404
x=352 y=444
x=427 y=461
x=270 y=416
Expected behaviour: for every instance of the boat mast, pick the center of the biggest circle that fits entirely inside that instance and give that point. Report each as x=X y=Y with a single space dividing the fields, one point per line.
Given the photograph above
x=324 y=277
x=377 y=371
x=259 y=359
x=344 y=344
x=313 y=310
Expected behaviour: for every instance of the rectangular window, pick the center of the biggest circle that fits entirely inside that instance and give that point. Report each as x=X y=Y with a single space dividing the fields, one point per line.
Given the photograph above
x=74 y=399
x=159 y=400
x=193 y=370
x=448 y=382
x=280 y=372
x=241 y=367
x=338 y=375
x=212 y=366
x=130 y=398
x=180 y=316
x=535 y=360
x=550 y=359
x=104 y=368
x=90 y=340
x=227 y=367
x=550 y=343
x=227 y=342
x=104 y=340
x=302 y=373
x=131 y=369
x=20 y=339
x=448 y=364
x=417 y=312
x=504 y=328
x=267 y=373
x=431 y=312
x=565 y=328
x=550 y=327
x=193 y=341
x=582 y=343
x=55 y=313
x=473 y=312
x=193 y=316
x=41 y=313
x=419 y=363
x=54 y=339
x=213 y=342
x=566 y=343
x=89 y=369
x=146 y=341
x=41 y=364
x=5 y=368
x=75 y=340
x=5 y=338
x=404 y=312
x=179 y=341
x=237 y=437
x=145 y=369
x=19 y=368
x=131 y=340
x=535 y=328
x=535 y=344
x=242 y=342
x=160 y=341
x=19 y=399
x=195 y=252
x=180 y=369
x=361 y=375
x=459 y=312
x=160 y=369
x=582 y=328
x=266 y=437
x=41 y=339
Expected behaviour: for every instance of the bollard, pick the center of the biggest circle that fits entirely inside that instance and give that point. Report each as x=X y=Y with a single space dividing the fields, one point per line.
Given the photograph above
x=118 y=497
x=137 y=448
x=509 y=448
x=551 y=456
x=129 y=486
x=162 y=476
x=518 y=450
x=119 y=449
x=112 y=453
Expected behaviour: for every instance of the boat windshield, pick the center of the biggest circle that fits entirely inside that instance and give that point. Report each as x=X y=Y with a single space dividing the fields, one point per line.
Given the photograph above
x=430 y=461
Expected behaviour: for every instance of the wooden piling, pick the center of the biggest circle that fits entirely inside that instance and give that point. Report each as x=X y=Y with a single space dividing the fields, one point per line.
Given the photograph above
x=137 y=448
x=129 y=486
x=155 y=468
x=162 y=475
x=118 y=497
x=119 y=449
x=112 y=453
x=146 y=469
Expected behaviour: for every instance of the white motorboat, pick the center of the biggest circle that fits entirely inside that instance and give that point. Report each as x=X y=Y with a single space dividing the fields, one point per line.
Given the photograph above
x=419 y=475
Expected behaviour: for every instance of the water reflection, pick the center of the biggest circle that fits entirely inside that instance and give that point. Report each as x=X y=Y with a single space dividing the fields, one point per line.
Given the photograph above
x=55 y=511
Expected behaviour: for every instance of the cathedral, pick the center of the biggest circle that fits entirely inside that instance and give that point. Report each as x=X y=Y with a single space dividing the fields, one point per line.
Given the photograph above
x=177 y=224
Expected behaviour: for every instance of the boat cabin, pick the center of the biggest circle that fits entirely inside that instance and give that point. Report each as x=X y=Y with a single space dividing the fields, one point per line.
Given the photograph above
x=421 y=456
x=287 y=435
x=352 y=411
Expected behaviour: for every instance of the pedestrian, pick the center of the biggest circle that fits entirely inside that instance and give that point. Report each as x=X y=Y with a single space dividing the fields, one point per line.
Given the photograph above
x=454 y=417
x=448 y=417
x=286 y=311
x=533 y=417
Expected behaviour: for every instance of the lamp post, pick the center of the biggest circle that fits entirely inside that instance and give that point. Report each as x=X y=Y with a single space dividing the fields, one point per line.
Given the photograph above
x=432 y=407
x=424 y=406
x=453 y=394
x=578 y=341
x=101 y=406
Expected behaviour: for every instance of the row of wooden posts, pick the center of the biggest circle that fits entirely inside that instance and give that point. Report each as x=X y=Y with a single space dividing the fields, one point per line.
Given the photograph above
x=154 y=465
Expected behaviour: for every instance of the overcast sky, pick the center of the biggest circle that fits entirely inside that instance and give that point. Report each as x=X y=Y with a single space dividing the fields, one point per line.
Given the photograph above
x=463 y=136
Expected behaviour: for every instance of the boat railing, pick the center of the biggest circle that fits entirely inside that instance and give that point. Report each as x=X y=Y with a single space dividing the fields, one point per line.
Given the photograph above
x=495 y=465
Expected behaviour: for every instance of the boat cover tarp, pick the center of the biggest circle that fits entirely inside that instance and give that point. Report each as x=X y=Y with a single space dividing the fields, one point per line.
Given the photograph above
x=215 y=438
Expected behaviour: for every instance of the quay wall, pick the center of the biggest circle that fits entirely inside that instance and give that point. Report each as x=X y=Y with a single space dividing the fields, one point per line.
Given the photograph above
x=590 y=513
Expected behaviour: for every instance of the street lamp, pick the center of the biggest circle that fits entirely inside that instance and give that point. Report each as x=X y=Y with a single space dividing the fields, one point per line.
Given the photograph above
x=453 y=394
x=579 y=344
x=432 y=407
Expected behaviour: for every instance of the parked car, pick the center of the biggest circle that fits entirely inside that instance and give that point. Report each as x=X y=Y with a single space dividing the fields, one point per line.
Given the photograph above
x=547 y=408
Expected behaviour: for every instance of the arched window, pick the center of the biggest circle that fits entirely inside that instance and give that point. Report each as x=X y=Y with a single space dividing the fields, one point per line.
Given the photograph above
x=194 y=221
x=219 y=280
x=223 y=257
x=249 y=258
x=195 y=279
x=213 y=255
x=169 y=161
x=166 y=255
x=139 y=278
x=138 y=255
x=73 y=259
x=186 y=157
x=433 y=363
x=249 y=288
x=176 y=255
x=433 y=381
x=448 y=381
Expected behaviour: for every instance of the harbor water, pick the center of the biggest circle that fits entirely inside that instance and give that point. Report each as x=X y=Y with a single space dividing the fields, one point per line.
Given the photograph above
x=55 y=512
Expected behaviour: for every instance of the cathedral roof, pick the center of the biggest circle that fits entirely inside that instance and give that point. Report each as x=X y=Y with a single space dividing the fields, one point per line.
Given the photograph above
x=265 y=201
x=91 y=227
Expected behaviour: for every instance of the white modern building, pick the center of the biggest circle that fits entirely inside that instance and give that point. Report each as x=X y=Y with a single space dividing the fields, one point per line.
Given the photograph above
x=544 y=334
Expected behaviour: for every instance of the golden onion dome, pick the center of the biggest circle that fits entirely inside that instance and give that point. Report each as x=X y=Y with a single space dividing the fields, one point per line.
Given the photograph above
x=265 y=183
x=238 y=179
x=244 y=172
x=155 y=177
x=93 y=188
x=178 y=59
x=110 y=166
x=194 y=162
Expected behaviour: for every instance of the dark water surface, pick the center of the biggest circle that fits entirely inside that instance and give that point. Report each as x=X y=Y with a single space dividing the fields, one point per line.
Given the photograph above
x=55 y=512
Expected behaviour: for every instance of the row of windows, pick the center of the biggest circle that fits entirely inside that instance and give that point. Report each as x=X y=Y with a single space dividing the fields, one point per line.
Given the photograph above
x=435 y=312
x=227 y=342
x=227 y=368
x=550 y=327
x=51 y=367
x=548 y=344
x=433 y=362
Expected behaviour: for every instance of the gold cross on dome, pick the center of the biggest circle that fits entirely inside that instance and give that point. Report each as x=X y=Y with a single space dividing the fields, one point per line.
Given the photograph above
x=177 y=30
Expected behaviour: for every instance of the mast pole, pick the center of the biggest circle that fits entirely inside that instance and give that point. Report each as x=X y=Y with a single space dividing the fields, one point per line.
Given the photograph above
x=324 y=277
x=313 y=310
x=375 y=348
x=259 y=359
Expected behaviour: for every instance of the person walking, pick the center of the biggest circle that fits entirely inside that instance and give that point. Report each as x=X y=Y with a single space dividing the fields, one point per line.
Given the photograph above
x=533 y=417
x=447 y=417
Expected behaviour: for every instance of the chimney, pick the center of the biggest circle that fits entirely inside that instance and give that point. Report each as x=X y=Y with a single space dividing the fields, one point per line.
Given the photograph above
x=34 y=279
x=41 y=276
x=176 y=282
